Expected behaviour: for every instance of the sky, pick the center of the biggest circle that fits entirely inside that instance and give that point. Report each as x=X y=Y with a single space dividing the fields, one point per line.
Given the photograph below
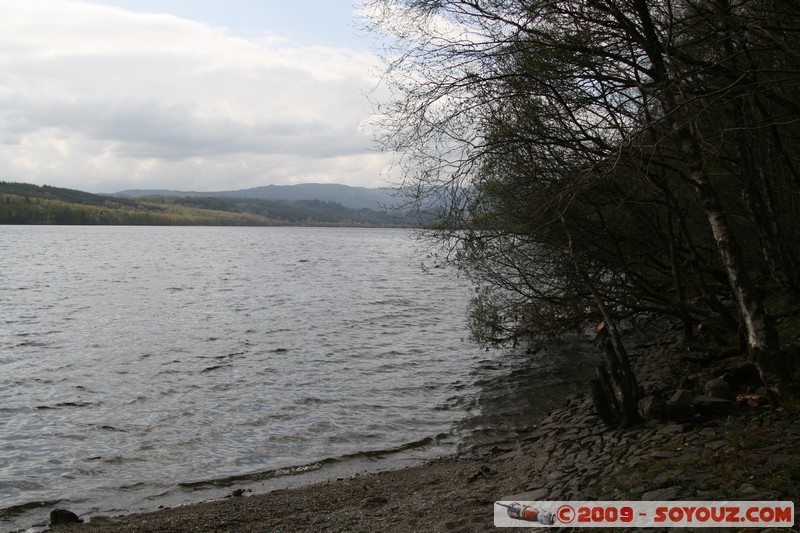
x=200 y=95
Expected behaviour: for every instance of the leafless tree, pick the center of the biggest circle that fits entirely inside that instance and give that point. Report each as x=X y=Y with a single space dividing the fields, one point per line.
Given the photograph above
x=615 y=155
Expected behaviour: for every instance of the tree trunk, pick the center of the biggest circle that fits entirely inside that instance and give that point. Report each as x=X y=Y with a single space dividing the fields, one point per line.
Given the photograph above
x=620 y=393
x=762 y=339
x=604 y=398
x=760 y=336
x=677 y=281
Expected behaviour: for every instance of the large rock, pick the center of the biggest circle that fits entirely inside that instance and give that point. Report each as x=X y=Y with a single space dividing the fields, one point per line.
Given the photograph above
x=741 y=374
x=719 y=388
x=681 y=397
x=679 y=405
x=711 y=406
x=62 y=516
x=652 y=406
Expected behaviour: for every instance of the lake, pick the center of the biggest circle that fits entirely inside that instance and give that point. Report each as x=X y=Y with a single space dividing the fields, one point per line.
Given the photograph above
x=142 y=366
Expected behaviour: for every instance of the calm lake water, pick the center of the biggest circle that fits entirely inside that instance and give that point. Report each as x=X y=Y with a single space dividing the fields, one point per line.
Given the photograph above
x=144 y=362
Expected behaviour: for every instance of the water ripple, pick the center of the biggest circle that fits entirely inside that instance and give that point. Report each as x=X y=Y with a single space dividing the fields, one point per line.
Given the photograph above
x=176 y=354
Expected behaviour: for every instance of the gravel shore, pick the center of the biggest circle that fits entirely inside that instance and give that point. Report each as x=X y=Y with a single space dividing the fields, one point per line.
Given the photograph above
x=738 y=451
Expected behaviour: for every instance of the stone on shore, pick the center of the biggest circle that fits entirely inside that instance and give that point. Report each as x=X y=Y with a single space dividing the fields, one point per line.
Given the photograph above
x=540 y=494
x=63 y=516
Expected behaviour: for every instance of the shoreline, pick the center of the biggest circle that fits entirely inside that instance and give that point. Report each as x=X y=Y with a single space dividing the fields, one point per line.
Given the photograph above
x=443 y=448
x=748 y=453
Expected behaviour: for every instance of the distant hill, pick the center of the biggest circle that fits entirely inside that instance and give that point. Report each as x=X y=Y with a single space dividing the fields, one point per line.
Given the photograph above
x=352 y=197
x=22 y=203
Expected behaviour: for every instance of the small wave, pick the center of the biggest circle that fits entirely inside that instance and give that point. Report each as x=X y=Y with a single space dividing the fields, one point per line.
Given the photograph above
x=178 y=289
x=109 y=428
x=133 y=486
x=120 y=460
x=426 y=441
x=64 y=405
x=32 y=344
x=311 y=401
x=170 y=371
x=155 y=497
x=316 y=465
x=22 y=508
x=138 y=399
x=393 y=367
x=19 y=484
x=278 y=330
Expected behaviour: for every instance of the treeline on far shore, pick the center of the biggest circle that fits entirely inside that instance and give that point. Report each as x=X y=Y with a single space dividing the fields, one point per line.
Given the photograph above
x=22 y=203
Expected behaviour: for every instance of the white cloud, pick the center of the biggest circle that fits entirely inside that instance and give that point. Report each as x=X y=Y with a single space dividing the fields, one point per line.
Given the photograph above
x=102 y=99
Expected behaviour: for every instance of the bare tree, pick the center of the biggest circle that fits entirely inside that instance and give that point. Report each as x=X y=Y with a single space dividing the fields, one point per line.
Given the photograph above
x=601 y=155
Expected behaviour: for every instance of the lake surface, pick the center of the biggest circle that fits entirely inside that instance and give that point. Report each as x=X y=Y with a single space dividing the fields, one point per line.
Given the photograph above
x=144 y=362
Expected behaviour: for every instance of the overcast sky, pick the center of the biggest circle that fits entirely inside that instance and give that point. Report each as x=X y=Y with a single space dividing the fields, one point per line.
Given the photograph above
x=107 y=95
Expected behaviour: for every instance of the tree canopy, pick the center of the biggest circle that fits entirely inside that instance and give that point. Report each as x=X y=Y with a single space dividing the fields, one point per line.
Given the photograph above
x=604 y=159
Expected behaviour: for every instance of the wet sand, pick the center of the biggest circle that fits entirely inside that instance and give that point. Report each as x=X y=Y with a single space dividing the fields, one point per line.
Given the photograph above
x=446 y=495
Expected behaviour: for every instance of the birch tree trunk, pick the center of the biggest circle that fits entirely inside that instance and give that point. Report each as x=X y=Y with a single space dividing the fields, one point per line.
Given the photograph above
x=762 y=339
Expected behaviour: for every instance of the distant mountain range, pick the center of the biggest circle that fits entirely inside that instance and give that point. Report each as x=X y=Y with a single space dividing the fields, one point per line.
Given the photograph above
x=352 y=197
x=303 y=205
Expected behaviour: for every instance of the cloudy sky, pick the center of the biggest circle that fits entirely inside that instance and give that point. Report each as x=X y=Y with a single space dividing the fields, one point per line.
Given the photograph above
x=107 y=95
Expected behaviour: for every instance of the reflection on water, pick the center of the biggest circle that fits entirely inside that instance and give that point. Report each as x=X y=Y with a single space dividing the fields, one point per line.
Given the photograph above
x=514 y=391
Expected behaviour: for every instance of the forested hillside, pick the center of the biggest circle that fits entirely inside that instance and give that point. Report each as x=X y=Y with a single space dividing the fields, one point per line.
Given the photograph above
x=22 y=203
